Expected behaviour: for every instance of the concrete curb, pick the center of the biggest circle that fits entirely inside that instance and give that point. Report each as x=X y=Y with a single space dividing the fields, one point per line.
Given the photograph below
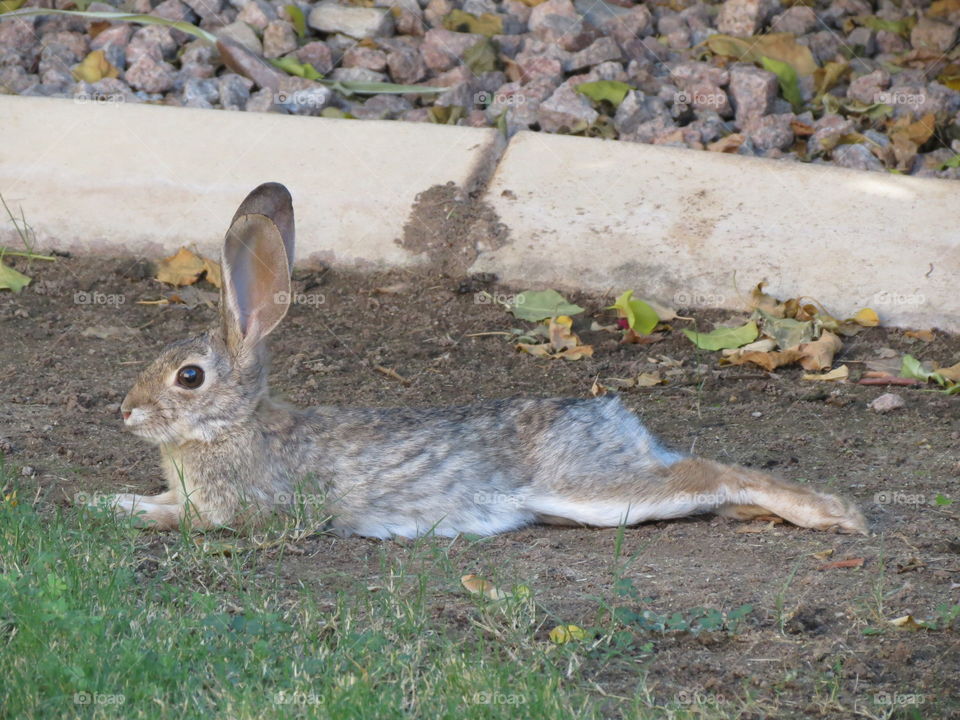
x=696 y=229
x=689 y=228
x=148 y=179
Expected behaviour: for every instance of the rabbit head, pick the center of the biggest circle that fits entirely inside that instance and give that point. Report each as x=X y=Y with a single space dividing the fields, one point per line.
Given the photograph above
x=198 y=388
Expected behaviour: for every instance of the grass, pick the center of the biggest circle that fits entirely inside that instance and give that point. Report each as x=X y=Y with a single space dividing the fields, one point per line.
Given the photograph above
x=101 y=620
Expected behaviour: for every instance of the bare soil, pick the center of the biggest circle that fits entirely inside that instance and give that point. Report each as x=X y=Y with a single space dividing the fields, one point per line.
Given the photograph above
x=803 y=650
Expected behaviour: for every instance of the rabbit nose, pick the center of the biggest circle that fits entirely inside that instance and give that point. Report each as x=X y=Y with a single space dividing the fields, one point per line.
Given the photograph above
x=126 y=414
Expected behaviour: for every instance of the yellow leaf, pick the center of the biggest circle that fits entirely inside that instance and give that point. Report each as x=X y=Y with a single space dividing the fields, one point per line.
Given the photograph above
x=185 y=268
x=95 y=67
x=10 y=5
x=866 y=317
x=840 y=373
x=951 y=373
x=907 y=623
x=566 y=633
x=479 y=586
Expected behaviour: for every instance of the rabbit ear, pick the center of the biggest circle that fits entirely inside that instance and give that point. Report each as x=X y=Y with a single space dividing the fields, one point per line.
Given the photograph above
x=273 y=201
x=256 y=268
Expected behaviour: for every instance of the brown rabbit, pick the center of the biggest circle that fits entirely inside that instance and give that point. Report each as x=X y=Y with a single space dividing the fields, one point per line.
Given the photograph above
x=231 y=453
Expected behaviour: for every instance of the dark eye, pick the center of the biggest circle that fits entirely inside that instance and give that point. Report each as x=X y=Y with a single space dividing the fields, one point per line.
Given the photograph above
x=190 y=377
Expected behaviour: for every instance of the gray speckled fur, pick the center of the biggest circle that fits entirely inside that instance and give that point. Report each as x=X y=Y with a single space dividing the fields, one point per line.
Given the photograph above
x=231 y=453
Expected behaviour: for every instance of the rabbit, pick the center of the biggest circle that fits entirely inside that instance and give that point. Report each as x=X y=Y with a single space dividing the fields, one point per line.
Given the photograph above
x=232 y=454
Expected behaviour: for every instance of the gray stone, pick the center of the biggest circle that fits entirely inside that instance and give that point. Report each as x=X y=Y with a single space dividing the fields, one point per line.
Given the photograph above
x=153 y=40
x=242 y=34
x=705 y=96
x=868 y=88
x=381 y=107
x=856 y=156
x=318 y=54
x=150 y=75
x=741 y=17
x=279 y=38
x=257 y=14
x=200 y=93
x=798 y=20
x=114 y=35
x=607 y=71
x=636 y=109
x=534 y=68
x=891 y=43
x=364 y=57
x=442 y=49
x=540 y=13
x=886 y=402
x=357 y=22
x=14 y=79
x=918 y=99
x=690 y=74
x=861 y=41
x=263 y=100
x=601 y=50
x=356 y=74
x=205 y=9
x=406 y=66
x=933 y=35
x=827 y=131
x=824 y=45
x=303 y=97
x=770 y=131
x=234 y=91
x=752 y=92
x=566 y=109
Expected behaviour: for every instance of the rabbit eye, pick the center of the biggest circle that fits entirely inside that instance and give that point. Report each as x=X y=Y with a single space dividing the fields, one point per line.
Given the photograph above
x=190 y=377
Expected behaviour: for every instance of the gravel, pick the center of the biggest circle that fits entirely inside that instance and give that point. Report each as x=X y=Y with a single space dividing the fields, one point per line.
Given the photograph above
x=520 y=66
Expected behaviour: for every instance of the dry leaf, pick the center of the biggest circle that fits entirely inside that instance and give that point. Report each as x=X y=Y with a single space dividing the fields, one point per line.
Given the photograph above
x=597 y=389
x=563 y=343
x=759 y=300
x=479 y=586
x=728 y=144
x=848 y=563
x=818 y=355
x=186 y=267
x=925 y=335
x=648 y=379
x=951 y=373
x=95 y=67
x=907 y=623
x=840 y=373
x=823 y=554
x=769 y=361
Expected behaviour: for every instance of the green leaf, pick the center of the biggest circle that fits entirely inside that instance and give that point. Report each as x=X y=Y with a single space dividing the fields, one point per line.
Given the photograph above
x=898 y=27
x=481 y=58
x=640 y=316
x=787 y=77
x=612 y=91
x=296 y=17
x=910 y=367
x=942 y=500
x=951 y=163
x=779 y=46
x=786 y=331
x=486 y=24
x=539 y=305
x=292 y=67
x=10 y=5
x=723 y=338
x=122 y=17
x=10 y=279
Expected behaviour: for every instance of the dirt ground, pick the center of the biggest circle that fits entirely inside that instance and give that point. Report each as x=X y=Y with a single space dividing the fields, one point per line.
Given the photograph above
x=818 y=641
